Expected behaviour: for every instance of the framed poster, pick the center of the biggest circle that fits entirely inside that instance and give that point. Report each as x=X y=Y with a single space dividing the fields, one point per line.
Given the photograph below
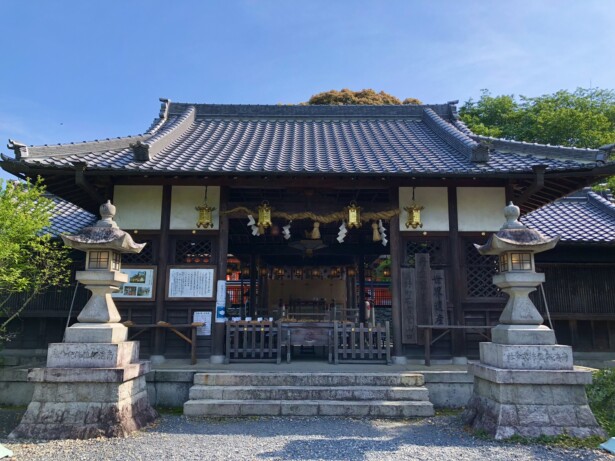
x=141 y=285
x=190 y=282
x=205 y=317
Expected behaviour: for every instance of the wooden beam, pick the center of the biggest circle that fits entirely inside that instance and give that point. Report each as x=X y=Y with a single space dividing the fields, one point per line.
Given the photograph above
x=163 y=260
x=218 y=328
x=454 y=247
x=396 y=252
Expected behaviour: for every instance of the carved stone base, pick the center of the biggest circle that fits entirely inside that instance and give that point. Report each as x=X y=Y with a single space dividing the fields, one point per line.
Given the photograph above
x=75 y=399
x=530 y=403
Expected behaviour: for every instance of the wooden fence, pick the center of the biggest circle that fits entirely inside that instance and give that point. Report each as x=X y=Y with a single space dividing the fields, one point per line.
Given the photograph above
x=253 y=341
x=361 y=344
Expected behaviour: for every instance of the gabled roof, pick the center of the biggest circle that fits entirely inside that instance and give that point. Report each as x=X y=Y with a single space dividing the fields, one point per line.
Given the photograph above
x=583 y=217
x=249 y=140
x=205 y=138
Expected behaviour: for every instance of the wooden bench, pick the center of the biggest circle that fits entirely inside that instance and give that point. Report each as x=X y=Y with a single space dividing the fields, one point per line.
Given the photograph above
x=427 y=331
x=174 y=328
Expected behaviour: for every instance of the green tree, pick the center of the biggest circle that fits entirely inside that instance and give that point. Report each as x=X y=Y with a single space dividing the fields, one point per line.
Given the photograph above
x=363 y=97
x=31 y=261
x=583 y=118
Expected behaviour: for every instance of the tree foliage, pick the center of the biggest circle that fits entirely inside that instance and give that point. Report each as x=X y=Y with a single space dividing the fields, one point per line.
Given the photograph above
x=30 y=260
x=583 y=118
x=363 y=97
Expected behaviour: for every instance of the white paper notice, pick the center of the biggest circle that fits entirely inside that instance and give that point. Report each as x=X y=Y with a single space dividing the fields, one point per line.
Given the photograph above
x=205 y=317
x=191 y=283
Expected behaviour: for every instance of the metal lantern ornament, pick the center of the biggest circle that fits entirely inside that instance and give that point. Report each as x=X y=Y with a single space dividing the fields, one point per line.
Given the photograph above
x=354 y=215
x=264 y=216
x=206 y=219
x=414 y=214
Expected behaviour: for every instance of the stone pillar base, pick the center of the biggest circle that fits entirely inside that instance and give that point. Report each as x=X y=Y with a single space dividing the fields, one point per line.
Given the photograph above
x=87 y=390
x=530 y=403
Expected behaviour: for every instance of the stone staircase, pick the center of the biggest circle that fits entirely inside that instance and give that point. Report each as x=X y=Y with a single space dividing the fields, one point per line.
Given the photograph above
x=377 y=395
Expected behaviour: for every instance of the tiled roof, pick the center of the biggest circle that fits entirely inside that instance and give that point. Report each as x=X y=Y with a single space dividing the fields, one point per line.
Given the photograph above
x=68 y=218
x=584 y=217
x=243 y=139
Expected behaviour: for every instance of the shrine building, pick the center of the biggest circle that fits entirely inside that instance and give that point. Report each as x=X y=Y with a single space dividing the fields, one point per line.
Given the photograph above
x=314 y=217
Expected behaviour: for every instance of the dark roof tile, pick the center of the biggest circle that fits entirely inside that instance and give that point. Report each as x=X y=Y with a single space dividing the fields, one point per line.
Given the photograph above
x=68 y=218
x=580 y=218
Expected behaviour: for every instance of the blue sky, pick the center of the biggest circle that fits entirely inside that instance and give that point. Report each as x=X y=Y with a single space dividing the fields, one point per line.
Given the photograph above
x=81 y=70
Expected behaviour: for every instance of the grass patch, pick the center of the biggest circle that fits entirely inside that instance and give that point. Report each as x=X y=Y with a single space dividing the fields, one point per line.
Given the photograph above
x=601 y=396
x=13 y=407
x=170 y=410
x=562 y=441
x=448 y=411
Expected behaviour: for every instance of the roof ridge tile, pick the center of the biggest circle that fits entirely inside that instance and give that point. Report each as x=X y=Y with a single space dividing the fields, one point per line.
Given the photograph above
x=455 y=137
x=549 y=151
x=147 y=149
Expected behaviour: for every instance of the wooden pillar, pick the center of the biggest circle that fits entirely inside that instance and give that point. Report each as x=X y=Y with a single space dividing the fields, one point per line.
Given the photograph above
x=161 y=276
x=361 y=264
x=396 y=252
x=458 y=336
x=218 y=328
x=253 y=275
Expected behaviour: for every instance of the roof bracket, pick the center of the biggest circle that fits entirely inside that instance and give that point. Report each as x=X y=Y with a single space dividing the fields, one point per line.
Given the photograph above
x=83 y=183
x=537 y=184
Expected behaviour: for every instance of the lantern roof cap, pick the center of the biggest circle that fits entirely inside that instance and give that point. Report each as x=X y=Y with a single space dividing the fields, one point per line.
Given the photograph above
x=515 y=236
x=105 y=234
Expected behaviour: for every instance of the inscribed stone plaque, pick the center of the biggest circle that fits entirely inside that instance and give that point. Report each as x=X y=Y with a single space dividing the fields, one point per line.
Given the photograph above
x=408 y=306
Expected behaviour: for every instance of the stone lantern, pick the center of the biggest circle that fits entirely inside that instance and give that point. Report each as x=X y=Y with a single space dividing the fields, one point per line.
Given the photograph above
x=94 y=383
x=515 y=245
x=525 y=383
x=103 y=244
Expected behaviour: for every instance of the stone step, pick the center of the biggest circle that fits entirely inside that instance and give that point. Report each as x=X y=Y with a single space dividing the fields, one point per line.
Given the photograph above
x=309 y=379
x=199 y=392
x=373 y=408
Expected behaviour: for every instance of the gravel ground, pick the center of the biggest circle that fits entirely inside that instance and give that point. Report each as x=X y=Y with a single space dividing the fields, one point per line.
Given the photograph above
x=177 y=438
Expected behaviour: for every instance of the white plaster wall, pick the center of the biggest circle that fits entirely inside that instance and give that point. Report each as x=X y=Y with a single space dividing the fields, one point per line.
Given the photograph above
x=138 y=207
x=435 y=214
x=480 y=208
x=184 y=199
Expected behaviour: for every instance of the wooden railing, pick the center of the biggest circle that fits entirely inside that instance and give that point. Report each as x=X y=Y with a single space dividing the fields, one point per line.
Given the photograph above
x=253 y=341
x=362 y=343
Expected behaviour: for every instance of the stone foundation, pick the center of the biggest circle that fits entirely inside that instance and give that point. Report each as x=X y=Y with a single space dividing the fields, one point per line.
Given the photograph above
x=530 y=403
x=74 y=401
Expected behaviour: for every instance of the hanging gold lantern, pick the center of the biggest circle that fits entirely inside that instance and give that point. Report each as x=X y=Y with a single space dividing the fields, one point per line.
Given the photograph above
x=351 y=272
x=414 y=214
x=264 y=216
x=245 y=272
x=354 y=215
x=264 y=272
x=386 y=272
x=206 y=219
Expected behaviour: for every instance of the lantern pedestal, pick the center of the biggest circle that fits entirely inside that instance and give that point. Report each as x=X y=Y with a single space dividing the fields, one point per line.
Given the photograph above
x=94 y=384
x=526 y=384
x=88 y=390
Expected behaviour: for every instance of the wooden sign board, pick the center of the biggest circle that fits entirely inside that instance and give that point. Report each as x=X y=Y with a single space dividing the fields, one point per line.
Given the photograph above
x=408 y=306
x=189 y=282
